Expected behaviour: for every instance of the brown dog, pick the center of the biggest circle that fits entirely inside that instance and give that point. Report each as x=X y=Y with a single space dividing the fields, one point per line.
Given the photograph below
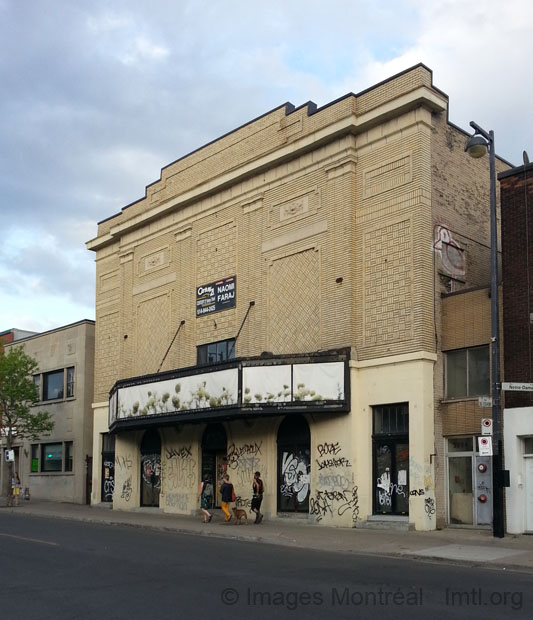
x=239 y=514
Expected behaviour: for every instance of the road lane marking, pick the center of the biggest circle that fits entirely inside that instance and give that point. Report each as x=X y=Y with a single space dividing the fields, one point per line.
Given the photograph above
x=43 y=542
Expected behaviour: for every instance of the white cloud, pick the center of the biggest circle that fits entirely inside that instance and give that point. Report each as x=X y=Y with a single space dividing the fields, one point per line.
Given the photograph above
x=141 y=49
x=477 y=52
x=108 y=22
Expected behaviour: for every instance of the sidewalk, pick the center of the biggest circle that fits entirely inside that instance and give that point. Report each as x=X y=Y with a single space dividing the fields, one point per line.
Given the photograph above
x=457 y=546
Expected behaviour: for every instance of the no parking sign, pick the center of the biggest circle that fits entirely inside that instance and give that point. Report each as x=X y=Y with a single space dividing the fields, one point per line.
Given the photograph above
x=485 y=446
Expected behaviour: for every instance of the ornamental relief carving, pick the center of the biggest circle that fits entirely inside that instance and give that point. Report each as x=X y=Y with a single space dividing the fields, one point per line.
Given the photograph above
x=295 y=208
x=153 y=261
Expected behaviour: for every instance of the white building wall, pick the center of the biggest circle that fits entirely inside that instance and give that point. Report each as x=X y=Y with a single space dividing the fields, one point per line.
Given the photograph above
x=517 y=424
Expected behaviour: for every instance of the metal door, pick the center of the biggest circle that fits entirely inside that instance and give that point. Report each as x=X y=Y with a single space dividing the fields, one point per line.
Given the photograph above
x=529 y=493
x=483 y=486
x=391 y=476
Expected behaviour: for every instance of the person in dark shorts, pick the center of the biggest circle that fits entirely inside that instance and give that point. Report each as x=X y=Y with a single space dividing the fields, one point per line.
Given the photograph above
x=258 y=490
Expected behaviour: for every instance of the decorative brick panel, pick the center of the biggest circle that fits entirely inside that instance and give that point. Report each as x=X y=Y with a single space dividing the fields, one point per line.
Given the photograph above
x=216 y=253
x=107 y=352
x=153 y=333
x=388 y=271
x=388 y=175
x=294 y=294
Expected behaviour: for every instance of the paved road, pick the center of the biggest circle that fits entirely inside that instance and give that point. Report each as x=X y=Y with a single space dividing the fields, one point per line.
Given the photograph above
x=63 y=569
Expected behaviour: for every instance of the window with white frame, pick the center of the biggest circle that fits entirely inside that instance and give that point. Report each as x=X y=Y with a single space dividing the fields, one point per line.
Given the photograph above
x=468 y=372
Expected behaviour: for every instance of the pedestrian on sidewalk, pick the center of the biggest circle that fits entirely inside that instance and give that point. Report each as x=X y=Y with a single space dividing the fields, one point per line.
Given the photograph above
x=205 y=495
x=227 y=496
x=15 y=489
x=257 y=489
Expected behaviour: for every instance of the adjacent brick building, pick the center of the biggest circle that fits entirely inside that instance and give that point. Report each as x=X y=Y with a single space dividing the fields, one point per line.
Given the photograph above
x=307 y=254
x=517 y=262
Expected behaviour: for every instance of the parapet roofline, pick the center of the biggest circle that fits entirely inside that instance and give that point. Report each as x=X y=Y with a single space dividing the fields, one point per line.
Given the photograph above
x=349 y=124
x=51 y=331
x=289 y=109
x=524 y=169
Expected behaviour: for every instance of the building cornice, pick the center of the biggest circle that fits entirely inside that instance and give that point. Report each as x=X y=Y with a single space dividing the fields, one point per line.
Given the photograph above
x=422 y=96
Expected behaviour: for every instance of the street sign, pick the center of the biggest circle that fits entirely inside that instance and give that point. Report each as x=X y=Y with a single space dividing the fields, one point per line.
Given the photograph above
x=4 y=431
x=517 y=387
x=10 y=455
x=484 y=401
x=486 y=426
x=485 y=446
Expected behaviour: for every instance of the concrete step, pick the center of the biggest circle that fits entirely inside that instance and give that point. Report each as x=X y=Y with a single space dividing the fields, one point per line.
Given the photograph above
x=385 y=522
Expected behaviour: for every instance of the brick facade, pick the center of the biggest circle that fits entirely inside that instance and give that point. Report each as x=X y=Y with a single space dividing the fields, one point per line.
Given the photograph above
x=344 y=225
x=517 y=249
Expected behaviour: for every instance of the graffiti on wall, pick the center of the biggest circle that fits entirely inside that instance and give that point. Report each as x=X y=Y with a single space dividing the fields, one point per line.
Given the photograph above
x=244 y=460
x=387 y=489
x=179 y=501
x=329 y=456
x=422 y=480
x=126 y=489
x=243 y=502
x=123 y=466
x=123 y=463
x=429 y=507
x=179 y=468
x=331 y=502
x=151 y=470
x=336 y=494
x=108 y=481
x=295 y=477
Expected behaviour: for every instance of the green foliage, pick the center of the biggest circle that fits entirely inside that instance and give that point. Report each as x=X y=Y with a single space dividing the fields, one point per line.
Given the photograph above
x=18 y=396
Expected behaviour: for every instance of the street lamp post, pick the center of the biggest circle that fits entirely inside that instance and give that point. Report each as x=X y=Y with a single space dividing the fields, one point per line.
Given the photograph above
x=476 y=147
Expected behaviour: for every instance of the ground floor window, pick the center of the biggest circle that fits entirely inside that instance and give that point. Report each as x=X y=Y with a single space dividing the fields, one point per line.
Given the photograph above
x=469 y=483
x=294 y=464
x=52 y=457
x=150 y=468
x=215 y=457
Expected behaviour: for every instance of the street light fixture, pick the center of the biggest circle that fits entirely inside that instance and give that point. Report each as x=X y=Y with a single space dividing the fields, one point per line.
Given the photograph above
x=481 y=142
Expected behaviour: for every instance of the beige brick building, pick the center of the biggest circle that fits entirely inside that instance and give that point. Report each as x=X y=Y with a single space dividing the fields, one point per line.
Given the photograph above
x=307 y=253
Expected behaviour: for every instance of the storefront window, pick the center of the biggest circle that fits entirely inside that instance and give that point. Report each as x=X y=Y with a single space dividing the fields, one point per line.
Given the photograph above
x=51 y=457
x=68 y=456
x=35 y=457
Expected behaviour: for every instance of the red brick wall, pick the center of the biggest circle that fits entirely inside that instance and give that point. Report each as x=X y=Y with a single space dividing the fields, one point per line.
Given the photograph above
x=517 y=272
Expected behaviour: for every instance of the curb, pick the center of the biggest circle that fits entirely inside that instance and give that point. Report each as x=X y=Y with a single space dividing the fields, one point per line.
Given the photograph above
x=272 y=540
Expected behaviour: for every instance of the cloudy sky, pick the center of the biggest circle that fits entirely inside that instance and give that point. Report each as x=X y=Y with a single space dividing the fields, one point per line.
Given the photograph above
x=98 y=95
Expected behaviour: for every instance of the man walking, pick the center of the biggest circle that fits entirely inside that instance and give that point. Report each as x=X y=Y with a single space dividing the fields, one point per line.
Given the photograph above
x=258 y=490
